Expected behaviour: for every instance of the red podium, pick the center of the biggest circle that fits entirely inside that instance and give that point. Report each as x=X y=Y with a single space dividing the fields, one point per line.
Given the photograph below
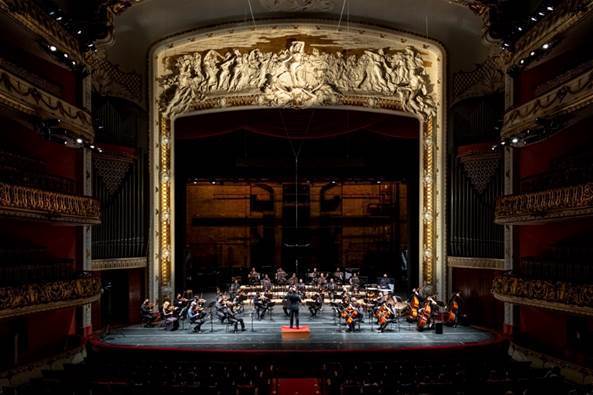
x=289 y=333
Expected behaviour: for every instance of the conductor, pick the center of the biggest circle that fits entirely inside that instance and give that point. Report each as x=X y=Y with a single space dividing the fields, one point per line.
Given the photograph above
x=293 y=299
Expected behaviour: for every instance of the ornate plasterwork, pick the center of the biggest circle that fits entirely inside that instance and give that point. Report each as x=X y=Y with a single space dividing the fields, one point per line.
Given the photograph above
x=110 y=80
x=480 y=168
x=294 y=77
x=112 y=169
x=475 y=263
x=550 y=205
x=19 y=94
x=36 y=19
x=297 y=64
x=567 y=98
x=487 y=78
x=118 y=263
x=298 y=5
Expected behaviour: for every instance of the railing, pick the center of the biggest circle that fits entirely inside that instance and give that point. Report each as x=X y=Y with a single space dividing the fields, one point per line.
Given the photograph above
x=578 y=270
x=18 y=273
x=556 y=295
x=31 y=298
x=38 y=204
x=544 y=206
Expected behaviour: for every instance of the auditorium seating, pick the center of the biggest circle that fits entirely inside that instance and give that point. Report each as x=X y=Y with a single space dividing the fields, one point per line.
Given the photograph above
x=98 y=376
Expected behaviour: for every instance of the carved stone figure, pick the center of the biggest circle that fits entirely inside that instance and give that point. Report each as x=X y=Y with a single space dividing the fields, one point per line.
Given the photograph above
x=294 y=77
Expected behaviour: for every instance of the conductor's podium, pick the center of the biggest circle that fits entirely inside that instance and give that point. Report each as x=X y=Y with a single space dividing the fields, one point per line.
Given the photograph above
x=289 y=333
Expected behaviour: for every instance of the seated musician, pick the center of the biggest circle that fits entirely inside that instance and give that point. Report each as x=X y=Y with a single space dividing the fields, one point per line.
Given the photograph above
x=280 y=276
x=455 y=307
x=322 y=281
x=314 y=276
x=331 y=288
x=316 y=304
x=232 y=318
x=266 y=283
x=339 y=276
x=355 y=281
x=180 y=302
x=234 y=289
x=261 y=305
x=384 y=281
x=219 y=306
x=386 y=314
x=197 y=315
x=170 y=317
x=360 y=308
x=350 y=315
x=148 y=315
x=293 y=280
x=253 y=277
x=301 y=287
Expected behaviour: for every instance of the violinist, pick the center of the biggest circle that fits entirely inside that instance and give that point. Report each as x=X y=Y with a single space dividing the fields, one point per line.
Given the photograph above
x=253 y=277
x=197 y=315
x=454 y=309
x=234 y=288
x=339 y=276
x=149 y=316
x=280 y=276
x=355 y=282
x=261 y=304
x=180 y=302
x=171 y=319
x=232 y=318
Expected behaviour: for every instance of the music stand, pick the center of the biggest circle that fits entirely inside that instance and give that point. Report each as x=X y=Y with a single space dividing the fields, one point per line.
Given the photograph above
x=210 y=306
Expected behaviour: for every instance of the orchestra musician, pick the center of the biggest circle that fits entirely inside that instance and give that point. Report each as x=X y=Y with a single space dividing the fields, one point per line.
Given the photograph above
x=234 y=288
x=385 y=315
x=266 y=283
x=355 y=282
x=384 y=281
x=280 y=276
x=316 y=304
x=350 y=316
x=170 y=316
x=197 y=314
x=293 y=300
x=232 y=318
x=414 y=302
x=149 y=316
x=314 y=276
x=301 y=287
x=261 y=304
x=322 y=281
x=253 y=277
x=455 y=306
x=293 y=280
x=331 y=288
x=339 y=276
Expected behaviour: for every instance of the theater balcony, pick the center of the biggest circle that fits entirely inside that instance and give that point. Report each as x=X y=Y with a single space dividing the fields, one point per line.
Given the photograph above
x=74 y=289
x=545 y=206
x=35 y=204
x=575 y=298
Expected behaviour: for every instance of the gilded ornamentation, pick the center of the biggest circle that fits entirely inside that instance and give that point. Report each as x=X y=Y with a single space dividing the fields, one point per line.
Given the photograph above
x=294 y=78
x=567 y=98
x=35 y=203
x=112 y=170
x=487 y=78
x=298 y=5
x=29 y=298
x=475 y=263
x=480 y=168
x=575 y=298
x=118 y=263
x=110 y=80
x=546 y=205
x=23 y=96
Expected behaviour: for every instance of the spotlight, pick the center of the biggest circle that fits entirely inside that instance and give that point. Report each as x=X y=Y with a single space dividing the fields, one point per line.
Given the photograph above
x=74 y=63
x=520 y=28
x=515 y=140
x=213 y=182
x=59 y=18
x=378 y=181
x=546 y=46
x=532 y=53
x=503 y=142
x=92 y=147
x=79 y=140
x=506 y=45
x=53 y=48
x=66 y=55
x=333 y=181
x=550 y=8
x=493 y=148
x=79 y=32
x=65 y=142
x=522 y=61
x=541 y=13
x=533 y=19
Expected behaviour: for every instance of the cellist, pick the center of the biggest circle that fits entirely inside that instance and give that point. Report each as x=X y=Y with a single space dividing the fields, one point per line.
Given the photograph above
x=454 y=309
x=414 y=304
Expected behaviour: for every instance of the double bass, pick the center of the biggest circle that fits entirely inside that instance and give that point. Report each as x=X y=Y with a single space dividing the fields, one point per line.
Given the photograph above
x=424 y=315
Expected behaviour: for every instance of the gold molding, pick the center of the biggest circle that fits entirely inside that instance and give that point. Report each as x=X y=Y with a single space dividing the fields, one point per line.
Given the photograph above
x=545 y=206
x=363 y=38
x=118 y=263
x=22 y=96
x=552 y=295
x=35 y=298
x=565 y=99
x=559 y=21
x=33 y=17
x=475 y=263
x=31 y=203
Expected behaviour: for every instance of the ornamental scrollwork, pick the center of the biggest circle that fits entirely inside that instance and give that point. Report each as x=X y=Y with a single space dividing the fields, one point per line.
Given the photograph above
x=51 y=292
x=49 y=204
x=294 y=77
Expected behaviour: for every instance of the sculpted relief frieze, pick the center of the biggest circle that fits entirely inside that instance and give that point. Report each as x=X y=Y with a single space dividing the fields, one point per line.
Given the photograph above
x=297 y=77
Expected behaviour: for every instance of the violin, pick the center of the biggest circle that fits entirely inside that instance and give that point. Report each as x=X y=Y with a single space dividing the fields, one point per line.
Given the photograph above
x=424 y=317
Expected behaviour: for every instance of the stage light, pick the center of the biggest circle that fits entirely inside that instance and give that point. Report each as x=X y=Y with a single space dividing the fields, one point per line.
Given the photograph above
x=503 y=142
x=79 y=140
x=541 y=13
x=378 y=181
x=74 y=63
x=92 y=147
x=546 y=46
x=53 y=48
x=66 y=55
x=515 y=140
x=532 y=53
x=522 y=61
x=520 y=28
x=533 y=19
x=550 y=8
x=59 y=18
x=65 y=142
x=213 y=182
x=333 y=181
x=493 y=148
x=79 y=32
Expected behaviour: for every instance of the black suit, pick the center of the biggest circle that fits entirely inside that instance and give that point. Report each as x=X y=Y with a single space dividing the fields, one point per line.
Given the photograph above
x=293 y=307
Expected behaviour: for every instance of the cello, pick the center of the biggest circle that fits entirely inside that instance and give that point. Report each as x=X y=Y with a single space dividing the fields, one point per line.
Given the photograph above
x=453 y=310
x=349 y=314
x=424 y=315
x=414 y=305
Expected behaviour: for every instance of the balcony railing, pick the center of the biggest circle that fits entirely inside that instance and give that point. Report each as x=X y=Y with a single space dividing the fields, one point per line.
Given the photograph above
x=17 y=201
x=555 y=295
x=550 y=205
x=33 y=298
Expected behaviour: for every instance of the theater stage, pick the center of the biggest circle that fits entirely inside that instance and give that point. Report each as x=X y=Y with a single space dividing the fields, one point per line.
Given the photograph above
x=326 y=335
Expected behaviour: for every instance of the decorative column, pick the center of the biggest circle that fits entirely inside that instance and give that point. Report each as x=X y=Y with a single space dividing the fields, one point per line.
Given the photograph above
x=87 y=326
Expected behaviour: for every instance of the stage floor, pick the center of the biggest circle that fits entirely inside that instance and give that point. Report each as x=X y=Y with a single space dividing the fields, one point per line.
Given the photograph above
x=325 y=335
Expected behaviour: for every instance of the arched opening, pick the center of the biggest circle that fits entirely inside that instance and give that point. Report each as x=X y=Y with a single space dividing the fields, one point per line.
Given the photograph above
x=297 y=189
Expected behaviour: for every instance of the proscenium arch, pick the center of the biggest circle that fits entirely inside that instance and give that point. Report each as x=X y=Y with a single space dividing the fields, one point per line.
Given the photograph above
x=297 y=64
